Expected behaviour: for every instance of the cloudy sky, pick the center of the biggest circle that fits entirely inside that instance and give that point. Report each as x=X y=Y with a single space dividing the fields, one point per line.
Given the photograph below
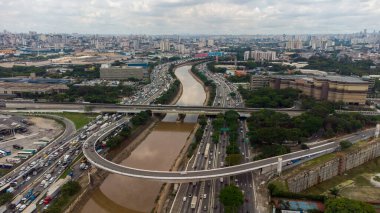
x=190 y=16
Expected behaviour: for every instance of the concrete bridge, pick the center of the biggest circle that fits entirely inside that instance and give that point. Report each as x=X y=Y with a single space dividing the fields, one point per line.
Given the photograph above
x=87 y=107
x=275 y=163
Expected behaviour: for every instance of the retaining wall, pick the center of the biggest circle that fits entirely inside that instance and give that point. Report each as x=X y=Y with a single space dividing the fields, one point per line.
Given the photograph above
x=307 y=178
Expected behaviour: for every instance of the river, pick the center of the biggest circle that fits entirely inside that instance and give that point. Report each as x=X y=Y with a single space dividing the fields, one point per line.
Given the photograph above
x=158 y=151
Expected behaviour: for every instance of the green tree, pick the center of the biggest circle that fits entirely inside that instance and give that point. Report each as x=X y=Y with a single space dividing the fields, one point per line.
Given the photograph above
x=70 y=188
x=232 y=198
x=334 y=191
x=345 y=144
x=344 y=205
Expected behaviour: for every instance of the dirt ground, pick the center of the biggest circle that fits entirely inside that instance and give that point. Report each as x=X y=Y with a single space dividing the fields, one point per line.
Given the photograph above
x=44 y=123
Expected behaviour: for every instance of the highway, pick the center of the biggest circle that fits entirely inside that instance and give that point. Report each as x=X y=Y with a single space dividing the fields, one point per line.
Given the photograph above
x=131 y=108
x=17 y=174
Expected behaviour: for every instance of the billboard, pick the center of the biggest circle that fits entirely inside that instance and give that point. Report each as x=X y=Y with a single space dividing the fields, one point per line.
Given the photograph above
x=201 y=55
x=212 y=54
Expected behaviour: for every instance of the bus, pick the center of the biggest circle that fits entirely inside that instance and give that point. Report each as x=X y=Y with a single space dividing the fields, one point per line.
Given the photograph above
x=33 y=151
x=22 y=157
x=207 y=149
x=6 y=165
x=40 y=143
x=24 y=153
x=5 y=152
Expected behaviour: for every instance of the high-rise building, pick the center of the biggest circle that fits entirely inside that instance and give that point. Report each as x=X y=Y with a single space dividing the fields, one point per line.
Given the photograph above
x=294 y=45
x=266 y=56
x=210 y=42
x=246 y=55
x=165 y=45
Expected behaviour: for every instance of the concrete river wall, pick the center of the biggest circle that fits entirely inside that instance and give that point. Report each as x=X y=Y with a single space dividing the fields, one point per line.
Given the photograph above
x=307 y=178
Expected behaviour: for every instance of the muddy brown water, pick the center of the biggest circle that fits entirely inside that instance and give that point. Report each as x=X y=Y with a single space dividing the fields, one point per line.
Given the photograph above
x=120 y=194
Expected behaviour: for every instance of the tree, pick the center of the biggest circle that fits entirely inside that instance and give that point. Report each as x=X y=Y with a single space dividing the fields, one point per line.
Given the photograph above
x=345 y=144
x=334 y=191
x=232 y=198
x=345 y=205
x=70 y=188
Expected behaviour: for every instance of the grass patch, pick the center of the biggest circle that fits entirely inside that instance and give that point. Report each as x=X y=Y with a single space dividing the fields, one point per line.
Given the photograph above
x=68 y=169
x=280 y=185
x=4 y=172
x=79 y=119
x=311 y=163
x=376 y=178
x=355 y=174
x=361 y=181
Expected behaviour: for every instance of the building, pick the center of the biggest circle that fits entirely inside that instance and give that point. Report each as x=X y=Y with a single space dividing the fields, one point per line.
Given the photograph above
x=258 y=81
x=108 y=72
x=294 y=45
x=350 y=90
x=164 y=45
x=16 y=88
x=260 y=55
x=210 y=42
x=246 y=55
x=263 y=56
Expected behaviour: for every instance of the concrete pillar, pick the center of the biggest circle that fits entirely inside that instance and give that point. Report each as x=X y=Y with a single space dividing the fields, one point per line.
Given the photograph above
x=377 y=130
x=279 y=166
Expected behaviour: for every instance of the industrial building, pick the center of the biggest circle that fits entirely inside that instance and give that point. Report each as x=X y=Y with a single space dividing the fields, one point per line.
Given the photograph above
x=14 y=89
x=108 y=72
x=350 y=90
x=259 y=81
x=11 y=124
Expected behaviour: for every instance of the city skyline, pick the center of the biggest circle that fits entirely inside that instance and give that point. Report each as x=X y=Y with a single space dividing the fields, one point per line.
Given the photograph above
x=227 y=17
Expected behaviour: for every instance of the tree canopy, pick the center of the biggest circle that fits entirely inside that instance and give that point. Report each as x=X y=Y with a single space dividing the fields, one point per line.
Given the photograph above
x=344 y=205
x=232 y=198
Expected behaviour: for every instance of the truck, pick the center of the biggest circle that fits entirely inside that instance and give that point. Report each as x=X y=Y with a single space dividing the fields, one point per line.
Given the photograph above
x=92 y=127
x=104 y=126
x=193 y=203
x=207 y=149
x=66 y=158
x=54 y=189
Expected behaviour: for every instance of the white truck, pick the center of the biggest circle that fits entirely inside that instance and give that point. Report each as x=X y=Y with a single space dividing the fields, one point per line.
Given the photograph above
x=207 y=149
x=193 y=203
x=66 y=158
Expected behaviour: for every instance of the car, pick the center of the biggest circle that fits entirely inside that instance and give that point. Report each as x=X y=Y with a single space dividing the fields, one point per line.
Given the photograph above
x=204 y=196
x=184 y=199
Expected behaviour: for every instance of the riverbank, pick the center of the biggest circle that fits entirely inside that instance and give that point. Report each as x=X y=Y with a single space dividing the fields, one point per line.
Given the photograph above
x=122 y=153
x=178 y=96
x=166 y=189
x=98 y=175
x=180 y=161
x=206 y=89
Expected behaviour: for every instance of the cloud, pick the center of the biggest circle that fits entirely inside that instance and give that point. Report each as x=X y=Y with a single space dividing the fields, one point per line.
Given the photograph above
x=190 y=16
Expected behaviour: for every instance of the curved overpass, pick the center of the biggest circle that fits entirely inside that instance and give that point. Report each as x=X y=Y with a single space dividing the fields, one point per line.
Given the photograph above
x=190 y=176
